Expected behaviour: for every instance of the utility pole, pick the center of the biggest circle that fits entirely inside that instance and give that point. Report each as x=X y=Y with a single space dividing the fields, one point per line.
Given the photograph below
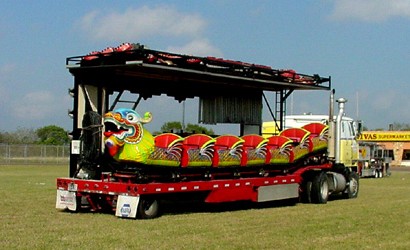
x=183 y=115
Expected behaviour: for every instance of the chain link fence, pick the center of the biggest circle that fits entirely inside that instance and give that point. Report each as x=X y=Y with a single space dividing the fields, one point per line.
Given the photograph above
x=33 y=154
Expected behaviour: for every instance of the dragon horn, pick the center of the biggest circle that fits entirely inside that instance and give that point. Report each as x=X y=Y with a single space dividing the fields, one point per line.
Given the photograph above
x=147 y=117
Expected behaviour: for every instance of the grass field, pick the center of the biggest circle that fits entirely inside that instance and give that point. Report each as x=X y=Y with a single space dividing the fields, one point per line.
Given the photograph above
x=378 y=219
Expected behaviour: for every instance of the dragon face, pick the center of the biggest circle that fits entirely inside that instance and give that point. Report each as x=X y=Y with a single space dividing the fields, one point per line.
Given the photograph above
x=123 y=126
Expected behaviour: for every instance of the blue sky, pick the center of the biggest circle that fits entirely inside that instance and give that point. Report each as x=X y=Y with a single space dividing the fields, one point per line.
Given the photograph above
x=362 y=44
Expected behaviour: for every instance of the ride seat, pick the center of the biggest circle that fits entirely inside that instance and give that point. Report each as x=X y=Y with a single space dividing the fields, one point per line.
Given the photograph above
x=167 y=150
x=197 y=150
x=297 y=135
x=318 y=135
x=301 y=141
x=277 y=143
x=166 y=140
x=254 y=150
x=316 y=129
x=227 y=151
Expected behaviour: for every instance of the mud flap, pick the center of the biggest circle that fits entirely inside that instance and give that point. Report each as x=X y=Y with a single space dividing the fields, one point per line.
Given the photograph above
x=66 y=200
x=127 y=206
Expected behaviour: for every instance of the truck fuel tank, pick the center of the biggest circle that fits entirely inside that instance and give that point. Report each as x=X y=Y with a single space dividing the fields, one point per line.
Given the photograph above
x=337 y=182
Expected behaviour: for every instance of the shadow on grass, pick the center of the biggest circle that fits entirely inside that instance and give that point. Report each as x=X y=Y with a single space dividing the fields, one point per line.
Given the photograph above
x=187 y=207
x=174 y=207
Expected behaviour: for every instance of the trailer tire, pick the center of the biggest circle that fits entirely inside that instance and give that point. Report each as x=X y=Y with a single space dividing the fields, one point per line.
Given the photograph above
x=148 y=208
x=352 y=190
x=376 y=174
x=320 y=188
x=306 y=195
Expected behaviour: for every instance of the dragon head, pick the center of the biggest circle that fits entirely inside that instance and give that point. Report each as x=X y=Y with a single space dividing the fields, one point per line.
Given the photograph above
x=123 y=126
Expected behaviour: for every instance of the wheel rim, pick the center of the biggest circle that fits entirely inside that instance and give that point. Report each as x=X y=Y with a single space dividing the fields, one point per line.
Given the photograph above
x=353 y=186
x=324 y=190
x=150 y=207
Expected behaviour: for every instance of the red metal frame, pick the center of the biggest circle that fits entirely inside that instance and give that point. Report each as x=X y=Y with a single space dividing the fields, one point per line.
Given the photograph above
x=224 y=190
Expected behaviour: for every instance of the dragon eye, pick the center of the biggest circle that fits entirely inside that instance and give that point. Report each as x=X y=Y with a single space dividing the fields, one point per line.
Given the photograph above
x=132 y=117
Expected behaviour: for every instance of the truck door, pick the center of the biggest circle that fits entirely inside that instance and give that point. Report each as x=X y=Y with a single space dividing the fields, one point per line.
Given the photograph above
x=349 y=145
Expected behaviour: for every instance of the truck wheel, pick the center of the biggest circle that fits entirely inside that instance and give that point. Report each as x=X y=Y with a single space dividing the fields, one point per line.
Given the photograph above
x=377 y=174
x=148 y=208
x=352 y=189
x=306 y=192
x=320 y=189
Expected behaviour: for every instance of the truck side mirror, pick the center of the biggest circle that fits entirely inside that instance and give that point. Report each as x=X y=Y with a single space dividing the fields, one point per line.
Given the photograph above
x=359 y=128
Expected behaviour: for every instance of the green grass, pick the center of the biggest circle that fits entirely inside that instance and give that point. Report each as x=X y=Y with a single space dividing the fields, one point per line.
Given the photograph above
x=378 y=219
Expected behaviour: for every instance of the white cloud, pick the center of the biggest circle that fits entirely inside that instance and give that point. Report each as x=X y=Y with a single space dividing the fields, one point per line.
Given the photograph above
x=162 y=22
x=133 y=24
x=198 y=47
x=370 y=10
x=35 y=106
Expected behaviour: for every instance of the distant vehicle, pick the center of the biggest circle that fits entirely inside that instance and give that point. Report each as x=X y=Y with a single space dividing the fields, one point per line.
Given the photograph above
x=373 y=160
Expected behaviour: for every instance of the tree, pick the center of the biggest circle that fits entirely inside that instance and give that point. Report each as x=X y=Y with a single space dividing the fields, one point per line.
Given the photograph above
x=176 y=126
x=3 y=137
x=171 y=126
x=20 y=136
x=400 y=126
x=52 y=135
x=195 y=128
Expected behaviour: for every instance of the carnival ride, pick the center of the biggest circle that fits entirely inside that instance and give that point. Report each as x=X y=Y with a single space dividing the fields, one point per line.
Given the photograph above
x=117 y=163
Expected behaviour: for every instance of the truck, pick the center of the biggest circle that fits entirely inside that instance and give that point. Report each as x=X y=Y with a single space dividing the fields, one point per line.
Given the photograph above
x=117 y=165
x=374 y=161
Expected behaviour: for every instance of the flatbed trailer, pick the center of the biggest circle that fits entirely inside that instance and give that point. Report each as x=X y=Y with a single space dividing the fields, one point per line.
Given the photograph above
x=115 y=192
x=98 y=183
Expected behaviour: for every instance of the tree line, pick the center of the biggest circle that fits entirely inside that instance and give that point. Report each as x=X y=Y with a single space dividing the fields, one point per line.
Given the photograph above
x=55 y=135
x=47 y=135
x=190 y=128
x=399 y=126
